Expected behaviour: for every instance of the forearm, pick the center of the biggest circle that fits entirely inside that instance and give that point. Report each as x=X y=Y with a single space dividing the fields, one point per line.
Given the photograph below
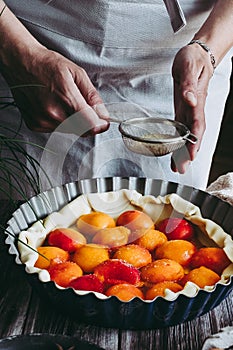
x=16 y=43
x=217 y=31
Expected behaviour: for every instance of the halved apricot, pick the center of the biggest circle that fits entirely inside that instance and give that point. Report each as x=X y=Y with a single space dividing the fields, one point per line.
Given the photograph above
x=115 y=271
x=88 y=282
x=151 y=239
x=176 y=228
x=124 y=291
x=89 y=224
x=50 y=255
x=212 y=257
x=90 y=255
x=158 y=289
x=66 y=238
x=162 y=270
x=134 y=255
x=135 y=220
x=112 y=236
x=202 y=277
x=64 y=273
x=178 y=250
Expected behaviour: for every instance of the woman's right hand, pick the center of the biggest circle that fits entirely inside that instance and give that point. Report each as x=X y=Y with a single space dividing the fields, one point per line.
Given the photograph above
x=47 y=87
x=50 y=89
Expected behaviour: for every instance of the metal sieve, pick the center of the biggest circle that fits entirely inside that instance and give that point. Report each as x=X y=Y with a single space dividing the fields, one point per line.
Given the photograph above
x=152 y=136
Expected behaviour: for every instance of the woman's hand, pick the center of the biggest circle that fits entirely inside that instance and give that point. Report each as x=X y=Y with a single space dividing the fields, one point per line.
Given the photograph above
x=48 y=88
x=192 y=70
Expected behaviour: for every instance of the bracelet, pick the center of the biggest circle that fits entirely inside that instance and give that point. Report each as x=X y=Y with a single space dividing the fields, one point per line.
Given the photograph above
x=207 y=49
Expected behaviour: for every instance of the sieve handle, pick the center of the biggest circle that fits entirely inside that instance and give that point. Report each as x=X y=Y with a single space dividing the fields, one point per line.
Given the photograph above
x=140 y=108
x=114 y=120
x=191 y=138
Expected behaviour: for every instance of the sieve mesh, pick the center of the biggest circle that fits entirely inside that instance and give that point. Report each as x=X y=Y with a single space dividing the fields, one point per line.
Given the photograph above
x=154 y=136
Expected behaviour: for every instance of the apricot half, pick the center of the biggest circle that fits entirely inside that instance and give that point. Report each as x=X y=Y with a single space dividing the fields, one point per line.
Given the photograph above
x=50 y=255
x=66 y=238
x=178 y=250
x=135 y=220
x=114 y=271
x=162 y=270
x=124 y=291
x=64 y=273
x=89 y=224
x=158 y=289
x=201 y=276
x=134 y=255
x=176 y=228
x=213 y=258
x=90 y=255
x=88 y=282
x=112 y=236
x=151 y=239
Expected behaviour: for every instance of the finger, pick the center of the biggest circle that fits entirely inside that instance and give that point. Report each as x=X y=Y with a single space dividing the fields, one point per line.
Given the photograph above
x=92 y=123
x=85 y=120
x=86 y=89
x=198 y=129
x=188 y=88
x=73 y=86
x=193 y=97
x=195 y=84
x=190 y=98
x=79 y=93
x=180 y=160
x=83 y=123
x=85 y=95
x=101 y=111
x=186 y=79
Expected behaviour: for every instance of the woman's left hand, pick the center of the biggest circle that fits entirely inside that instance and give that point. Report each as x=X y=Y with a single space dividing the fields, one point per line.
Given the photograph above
x=192 y=70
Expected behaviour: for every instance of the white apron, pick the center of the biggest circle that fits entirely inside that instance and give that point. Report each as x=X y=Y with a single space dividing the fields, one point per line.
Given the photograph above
x=127 y=49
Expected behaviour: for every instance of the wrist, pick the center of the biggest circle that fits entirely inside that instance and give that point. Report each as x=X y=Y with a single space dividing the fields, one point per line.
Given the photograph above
x=15 y=41
x=207 y=49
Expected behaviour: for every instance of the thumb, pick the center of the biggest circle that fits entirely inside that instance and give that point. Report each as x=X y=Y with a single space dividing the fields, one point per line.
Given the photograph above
x=190 y=98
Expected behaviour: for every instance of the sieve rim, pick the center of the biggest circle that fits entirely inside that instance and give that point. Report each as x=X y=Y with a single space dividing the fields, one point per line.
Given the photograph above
x=178 y=125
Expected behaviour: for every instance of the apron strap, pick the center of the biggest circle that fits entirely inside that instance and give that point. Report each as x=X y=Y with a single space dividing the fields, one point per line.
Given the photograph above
x=176 y=14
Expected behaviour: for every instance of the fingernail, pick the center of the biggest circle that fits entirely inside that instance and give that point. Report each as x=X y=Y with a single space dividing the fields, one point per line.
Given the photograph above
x=191 y=98
x=101 y=110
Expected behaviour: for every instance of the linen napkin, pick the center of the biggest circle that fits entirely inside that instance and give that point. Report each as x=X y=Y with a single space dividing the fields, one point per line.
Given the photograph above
x=222 y=187
x=220 y=341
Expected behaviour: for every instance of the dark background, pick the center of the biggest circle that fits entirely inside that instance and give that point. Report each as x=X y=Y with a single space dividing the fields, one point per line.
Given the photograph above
x=223 y=157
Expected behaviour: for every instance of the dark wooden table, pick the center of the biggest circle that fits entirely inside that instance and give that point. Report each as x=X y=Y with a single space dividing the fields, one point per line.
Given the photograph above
x=22 y=311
